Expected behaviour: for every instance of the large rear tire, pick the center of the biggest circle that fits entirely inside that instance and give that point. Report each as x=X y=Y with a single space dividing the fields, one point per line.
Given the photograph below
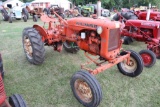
x=5 y=15
x=149 y=58
x=86 y=89
x=17 y=100
x=70 y=47
x=135 y=66
x=25 y=18
x=25 y=12
x=33 y=46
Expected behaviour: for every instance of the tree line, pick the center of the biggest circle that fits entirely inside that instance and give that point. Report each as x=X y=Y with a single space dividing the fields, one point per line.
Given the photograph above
x=109 y=4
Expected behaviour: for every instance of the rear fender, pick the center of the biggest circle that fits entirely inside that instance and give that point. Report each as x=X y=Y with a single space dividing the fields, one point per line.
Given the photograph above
x=41 y=31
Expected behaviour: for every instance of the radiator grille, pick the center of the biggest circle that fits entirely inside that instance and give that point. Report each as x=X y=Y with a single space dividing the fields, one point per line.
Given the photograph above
x=114 y=39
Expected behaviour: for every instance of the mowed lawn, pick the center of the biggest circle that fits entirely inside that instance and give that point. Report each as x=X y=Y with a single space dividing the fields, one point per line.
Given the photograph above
x=48 y=85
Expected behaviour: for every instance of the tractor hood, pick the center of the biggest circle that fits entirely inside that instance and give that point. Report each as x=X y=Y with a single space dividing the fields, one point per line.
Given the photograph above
x=153 y=15
x=143 y=23
x=90 y=23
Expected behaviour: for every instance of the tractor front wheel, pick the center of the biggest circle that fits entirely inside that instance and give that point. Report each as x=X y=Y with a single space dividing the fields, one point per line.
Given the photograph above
x=70 y=47
x=149 y=58
x=33 y=46
x=17 y=100
x=86 y=89
x=135 y=66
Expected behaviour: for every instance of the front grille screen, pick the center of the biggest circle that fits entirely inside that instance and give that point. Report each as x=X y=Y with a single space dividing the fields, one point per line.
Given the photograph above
x=114 y=39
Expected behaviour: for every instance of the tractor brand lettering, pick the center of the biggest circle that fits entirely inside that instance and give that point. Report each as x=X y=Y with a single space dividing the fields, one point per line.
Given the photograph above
x=86 y=24
x=148 y=24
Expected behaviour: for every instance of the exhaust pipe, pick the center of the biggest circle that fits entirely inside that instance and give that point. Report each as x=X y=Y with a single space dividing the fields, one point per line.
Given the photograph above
x=148 y=12
x=98 y=8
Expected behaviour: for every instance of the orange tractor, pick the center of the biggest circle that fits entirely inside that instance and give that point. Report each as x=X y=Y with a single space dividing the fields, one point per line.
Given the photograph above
x=15 y=100
x=97 y=37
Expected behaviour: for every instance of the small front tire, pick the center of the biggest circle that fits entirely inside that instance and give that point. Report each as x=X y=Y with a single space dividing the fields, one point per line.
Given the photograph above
x=17 y=100
x=135 y=66
x=149 y=58
x=86 y=89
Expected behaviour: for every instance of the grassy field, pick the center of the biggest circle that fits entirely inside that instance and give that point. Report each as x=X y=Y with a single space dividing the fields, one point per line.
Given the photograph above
x=48 y=85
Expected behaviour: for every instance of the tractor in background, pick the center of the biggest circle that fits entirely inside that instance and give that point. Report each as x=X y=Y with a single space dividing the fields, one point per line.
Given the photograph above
x=87 y=10
x=99 y=38
x=10 y=13
x=56 y=8
x=15 y=100
x=143 y=31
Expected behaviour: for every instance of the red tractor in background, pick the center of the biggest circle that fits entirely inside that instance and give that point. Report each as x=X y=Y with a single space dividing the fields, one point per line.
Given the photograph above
x=154 y=15
x=15 y=100
x=144 y=31
x=97 y=37
x=50 y=10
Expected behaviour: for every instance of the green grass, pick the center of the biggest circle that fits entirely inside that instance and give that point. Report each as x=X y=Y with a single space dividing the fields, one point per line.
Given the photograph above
x=48 y=85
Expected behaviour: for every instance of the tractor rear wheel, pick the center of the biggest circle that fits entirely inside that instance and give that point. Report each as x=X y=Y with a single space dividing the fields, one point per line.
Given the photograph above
x=25 y=12
x=86 y=89
x=46 y=11
x=127 y=40
x=149 y=58
x=33 y=46
x=4 y=15
x=35 y=18
x=135 y=66
x=17 y=100
x=25 y=18
x=70 y=47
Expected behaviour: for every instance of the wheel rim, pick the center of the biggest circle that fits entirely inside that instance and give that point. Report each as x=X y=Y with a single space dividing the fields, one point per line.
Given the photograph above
x=83 y=90
x=147 y=59
x=131 y=67
x=28 y=47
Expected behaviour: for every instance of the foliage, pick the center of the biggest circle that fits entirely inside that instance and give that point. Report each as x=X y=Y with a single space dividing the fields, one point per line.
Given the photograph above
x=119 y=3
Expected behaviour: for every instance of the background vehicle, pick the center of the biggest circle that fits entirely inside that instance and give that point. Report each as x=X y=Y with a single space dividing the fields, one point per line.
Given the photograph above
x=15 y=100
x=56 y=8
x=11 y=13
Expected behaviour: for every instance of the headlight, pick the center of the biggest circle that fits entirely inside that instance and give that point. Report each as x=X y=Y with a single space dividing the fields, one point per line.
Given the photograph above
x=99 y=30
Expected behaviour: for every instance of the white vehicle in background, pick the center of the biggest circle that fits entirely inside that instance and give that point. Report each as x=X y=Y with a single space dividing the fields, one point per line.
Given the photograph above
x=10 y=13
x=105 y=13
